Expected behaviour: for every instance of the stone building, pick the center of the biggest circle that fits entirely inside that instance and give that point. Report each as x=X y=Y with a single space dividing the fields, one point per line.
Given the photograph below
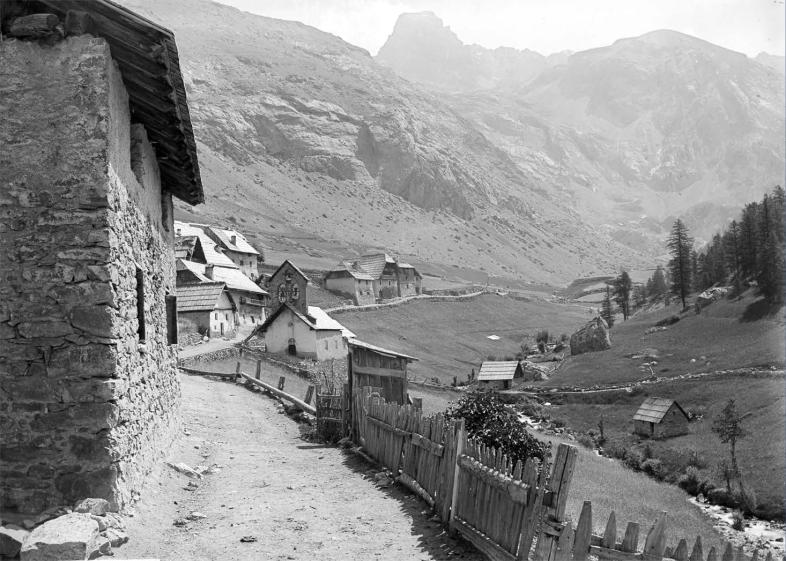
x=389 y=278
x=293 y=327
x=205 y=308
x=96 y=140
x=235 y=246
x=593 y=337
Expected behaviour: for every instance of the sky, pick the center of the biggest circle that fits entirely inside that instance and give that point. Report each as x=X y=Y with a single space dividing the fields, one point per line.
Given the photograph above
x=545 y=26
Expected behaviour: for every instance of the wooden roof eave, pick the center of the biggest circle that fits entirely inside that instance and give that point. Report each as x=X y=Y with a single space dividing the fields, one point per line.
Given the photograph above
x=154 y=81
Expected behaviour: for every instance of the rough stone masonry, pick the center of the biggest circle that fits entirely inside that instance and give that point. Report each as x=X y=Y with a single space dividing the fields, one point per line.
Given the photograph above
x=86 y=406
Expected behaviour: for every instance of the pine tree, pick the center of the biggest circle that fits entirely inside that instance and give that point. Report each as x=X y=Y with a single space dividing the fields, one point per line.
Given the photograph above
x=622 y=289
x=770 y=277
x=733 y=254
x=680 y=245
x=606 y=312
x=659 y=285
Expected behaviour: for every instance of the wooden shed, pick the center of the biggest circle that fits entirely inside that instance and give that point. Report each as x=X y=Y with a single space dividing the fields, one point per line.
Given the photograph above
x=499 y=374
x=659 y=417
x=376 y=367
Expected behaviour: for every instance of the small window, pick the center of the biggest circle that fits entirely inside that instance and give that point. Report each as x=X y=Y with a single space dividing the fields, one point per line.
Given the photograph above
x=171 y=319
x=226 y=317
x=140 y=305
x=216 y=315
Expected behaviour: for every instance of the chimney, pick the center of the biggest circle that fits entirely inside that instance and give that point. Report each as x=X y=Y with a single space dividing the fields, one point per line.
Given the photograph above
x=233 y=239
x=209 y=271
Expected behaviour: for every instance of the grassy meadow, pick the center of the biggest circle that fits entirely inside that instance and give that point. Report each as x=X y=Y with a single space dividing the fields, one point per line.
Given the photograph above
x=726 y=335
x=450 y=337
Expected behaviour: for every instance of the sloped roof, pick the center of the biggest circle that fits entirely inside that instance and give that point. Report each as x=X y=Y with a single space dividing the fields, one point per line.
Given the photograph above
x=374 y=264
x=379 y=350
x=198 y=297
x=194 y=269
x=146 y=54
x=346 y=267
x=213 y=256
x=497 y=370
x=225 y=237
x=234 y=279
x=295 y=267
x=323 y=321
x=654 y=409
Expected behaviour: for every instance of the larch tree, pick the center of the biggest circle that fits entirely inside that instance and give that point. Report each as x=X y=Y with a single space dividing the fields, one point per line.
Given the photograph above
x=622 y=290
x=680 y=245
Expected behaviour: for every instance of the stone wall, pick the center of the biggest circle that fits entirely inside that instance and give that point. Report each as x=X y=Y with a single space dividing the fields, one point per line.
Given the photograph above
x=84 y=406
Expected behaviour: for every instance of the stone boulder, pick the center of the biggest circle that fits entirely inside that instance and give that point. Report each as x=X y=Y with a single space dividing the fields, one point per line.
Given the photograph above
x=593 y=337
x=98 y=507
x=73 y=536
x=11 y=539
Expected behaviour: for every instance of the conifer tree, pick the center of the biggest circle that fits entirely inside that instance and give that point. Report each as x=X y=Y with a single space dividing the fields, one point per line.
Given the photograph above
x=605 y=311
x=680 y=245
x=622 y=290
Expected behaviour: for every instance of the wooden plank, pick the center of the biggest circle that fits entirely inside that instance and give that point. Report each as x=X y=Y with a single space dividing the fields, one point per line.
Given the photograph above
x=516 y=491
x=610 y=534
x=387 y=427
x=481 y=541
x=681 y=553
x=581 y=541
x=258 y=373
x=413 y=485
x=612 y=554
x=656 y=538
x=565 y=544
x=461 y=437
x=697 y=554
x=33 y=25
x=630 y=543
x=529 y=517
x=281 y=381
x=292 y=399
x=712 y=555
x=728 y=553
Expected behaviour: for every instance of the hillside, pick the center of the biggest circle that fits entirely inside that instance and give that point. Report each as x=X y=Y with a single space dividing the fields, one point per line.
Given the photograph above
x=451 y=337
x=314 y=149
x=633 y=134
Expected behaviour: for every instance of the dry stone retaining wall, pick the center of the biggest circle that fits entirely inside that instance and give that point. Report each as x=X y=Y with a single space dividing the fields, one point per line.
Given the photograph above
x=84 y=408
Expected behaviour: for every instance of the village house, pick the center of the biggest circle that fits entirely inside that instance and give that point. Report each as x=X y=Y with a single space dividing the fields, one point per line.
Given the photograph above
x=389 y=278
x=499 y=374
x=659 y=417
x=295 y=328
x=249 y=300
x=96 y=140
x=205 y=308
x=234 y=245
x=379 y=368
x=358 y=285
x=197 y=246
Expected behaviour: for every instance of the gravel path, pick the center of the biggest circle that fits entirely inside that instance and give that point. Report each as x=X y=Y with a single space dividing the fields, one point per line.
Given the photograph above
x=299 y=500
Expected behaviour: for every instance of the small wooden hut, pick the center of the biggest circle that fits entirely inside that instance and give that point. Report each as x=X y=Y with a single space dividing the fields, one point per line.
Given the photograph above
x=373 y=366
x=659 y=417
x=499 y=374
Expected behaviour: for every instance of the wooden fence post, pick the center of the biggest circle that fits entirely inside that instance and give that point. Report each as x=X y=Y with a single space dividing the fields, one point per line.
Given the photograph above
x=258 y=374
x=281 y=381
x=554 y=514
x=461 y=441
x=309 y=394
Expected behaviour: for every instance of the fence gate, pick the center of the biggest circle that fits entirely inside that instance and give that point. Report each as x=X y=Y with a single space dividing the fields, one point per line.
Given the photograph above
x=498 y=503
x=330 y=417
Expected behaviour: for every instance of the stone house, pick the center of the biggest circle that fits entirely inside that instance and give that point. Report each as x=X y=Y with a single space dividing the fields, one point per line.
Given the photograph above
x=96 y=140
x=377 y=367
x=293 y=327
x=593 y=337
x=659 y=417
x=205 y=308
x=235 y=246
x=202 y=250
x=389 y=277
x=498 y=374
x=248 y=299
x=351 y=283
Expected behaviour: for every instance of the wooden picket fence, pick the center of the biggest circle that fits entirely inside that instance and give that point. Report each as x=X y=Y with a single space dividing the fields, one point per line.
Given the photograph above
x=503 y=507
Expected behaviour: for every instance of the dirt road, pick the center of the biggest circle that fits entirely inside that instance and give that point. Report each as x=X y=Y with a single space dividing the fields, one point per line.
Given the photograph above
x=299 y=500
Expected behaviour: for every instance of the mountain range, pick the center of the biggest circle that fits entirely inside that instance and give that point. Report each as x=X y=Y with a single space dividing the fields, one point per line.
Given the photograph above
x=508 y=164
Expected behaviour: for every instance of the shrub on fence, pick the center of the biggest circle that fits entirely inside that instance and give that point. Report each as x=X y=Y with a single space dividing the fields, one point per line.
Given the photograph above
x=487 y=419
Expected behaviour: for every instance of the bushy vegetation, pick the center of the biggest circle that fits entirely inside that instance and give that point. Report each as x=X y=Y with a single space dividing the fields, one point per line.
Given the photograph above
x=489 y=420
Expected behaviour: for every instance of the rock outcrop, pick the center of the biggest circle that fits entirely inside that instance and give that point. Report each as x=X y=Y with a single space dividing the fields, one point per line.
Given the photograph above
x=593 y=337
x=73 y=536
